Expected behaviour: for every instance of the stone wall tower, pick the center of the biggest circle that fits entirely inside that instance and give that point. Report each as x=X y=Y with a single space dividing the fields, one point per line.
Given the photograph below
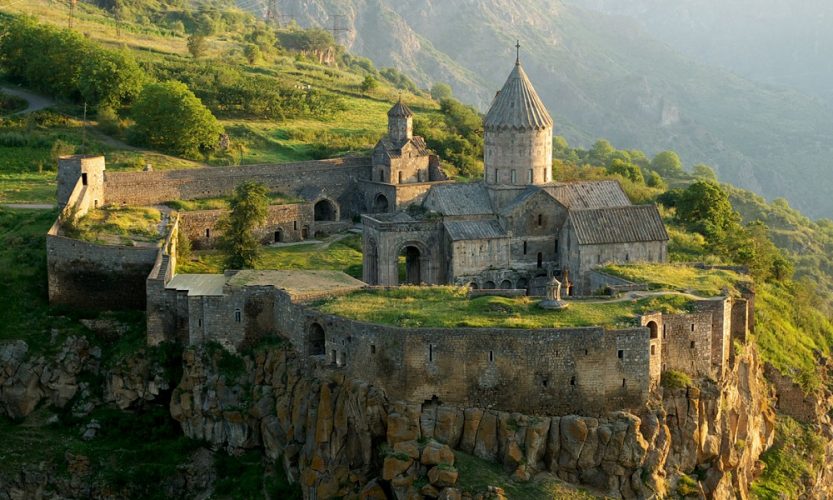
x=518 y=135
x=89 y=170
x=400 y=123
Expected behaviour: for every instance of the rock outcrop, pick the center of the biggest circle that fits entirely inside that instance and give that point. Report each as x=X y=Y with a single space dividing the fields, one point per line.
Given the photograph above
x=341 y=437
x=26 y=381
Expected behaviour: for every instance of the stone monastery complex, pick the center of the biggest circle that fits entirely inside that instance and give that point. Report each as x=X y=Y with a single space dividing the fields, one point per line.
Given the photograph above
x=512 y=233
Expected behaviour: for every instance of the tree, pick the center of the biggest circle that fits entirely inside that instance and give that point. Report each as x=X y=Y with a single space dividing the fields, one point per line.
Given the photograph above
x=705 y=207
x=627 y=170
x=247 y=211
x=197 y=45
x=441 y=91
x=702 y=171
x=753 y=248
x=600 y=152
x=369 y=83
x=667 y=164
x=252 y=53
x=170 y=117
x=110 y=78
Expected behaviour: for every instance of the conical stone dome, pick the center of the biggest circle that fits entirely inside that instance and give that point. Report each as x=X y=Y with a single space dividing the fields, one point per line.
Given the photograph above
x=400 y=110
x=517 y=106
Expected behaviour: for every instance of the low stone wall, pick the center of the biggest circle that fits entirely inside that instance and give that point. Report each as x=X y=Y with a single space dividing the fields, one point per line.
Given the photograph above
x=604 y=281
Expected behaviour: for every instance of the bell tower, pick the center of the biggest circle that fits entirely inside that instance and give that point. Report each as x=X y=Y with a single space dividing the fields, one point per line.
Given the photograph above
x=400 y=123
x=517 y=134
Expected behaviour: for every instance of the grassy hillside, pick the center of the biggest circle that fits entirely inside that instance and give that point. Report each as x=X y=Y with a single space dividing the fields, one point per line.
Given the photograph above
x=354 y=120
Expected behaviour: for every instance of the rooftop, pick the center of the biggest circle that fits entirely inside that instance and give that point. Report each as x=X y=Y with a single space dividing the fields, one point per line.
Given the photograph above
x=459 y=199
x=517 y=105
x=295 y=282
x=635 y=223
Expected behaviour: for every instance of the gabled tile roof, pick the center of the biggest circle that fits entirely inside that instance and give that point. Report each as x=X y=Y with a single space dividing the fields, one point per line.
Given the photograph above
x=395 y=150
x=459 y=199
x=474 y=230
x=636 y=223
x=589 y=194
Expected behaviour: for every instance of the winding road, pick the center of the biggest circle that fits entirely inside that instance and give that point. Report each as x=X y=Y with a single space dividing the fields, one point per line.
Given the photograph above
x=36 y=102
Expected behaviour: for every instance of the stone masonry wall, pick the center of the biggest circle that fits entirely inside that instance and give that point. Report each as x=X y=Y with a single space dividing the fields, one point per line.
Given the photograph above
x=590 y=370
x=687 y=343
x=92 y=276
x=334 y=179
x=286 y=223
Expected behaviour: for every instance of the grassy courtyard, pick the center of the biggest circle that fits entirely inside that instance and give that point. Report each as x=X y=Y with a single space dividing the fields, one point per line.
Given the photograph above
x=447 y=307
x=118 y=226
x=343 y=254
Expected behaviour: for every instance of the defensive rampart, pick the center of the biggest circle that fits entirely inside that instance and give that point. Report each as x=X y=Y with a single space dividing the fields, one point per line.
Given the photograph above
x=314 y=180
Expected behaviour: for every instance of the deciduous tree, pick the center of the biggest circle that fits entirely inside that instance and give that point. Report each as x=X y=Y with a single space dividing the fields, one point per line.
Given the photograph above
x=170 y=117
x=247 y=211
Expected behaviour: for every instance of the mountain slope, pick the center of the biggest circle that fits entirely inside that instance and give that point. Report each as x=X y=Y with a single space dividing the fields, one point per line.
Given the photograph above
x=772 y=41
x=600 y=76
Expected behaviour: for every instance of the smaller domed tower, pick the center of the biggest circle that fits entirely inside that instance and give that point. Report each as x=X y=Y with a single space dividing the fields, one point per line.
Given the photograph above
x=400 y=123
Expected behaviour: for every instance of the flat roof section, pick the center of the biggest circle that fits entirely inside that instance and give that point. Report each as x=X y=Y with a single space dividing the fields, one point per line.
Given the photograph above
x=198 y=285
x=298 y=282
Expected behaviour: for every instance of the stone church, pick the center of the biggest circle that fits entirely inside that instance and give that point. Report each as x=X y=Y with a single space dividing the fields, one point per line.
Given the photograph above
x=516 y=228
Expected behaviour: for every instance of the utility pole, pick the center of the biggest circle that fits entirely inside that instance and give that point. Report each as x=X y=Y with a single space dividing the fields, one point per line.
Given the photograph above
x=272 y=15
x=84 y=133
x=335 y=29
x=117 y=15
x=72 y=4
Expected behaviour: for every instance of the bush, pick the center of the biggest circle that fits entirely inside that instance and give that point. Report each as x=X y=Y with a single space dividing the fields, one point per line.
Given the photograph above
x=108 y=121
x=170 y=117
x=672 y=379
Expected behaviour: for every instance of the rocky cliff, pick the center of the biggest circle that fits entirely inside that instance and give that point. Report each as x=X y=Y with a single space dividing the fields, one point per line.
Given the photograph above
x=340 y=437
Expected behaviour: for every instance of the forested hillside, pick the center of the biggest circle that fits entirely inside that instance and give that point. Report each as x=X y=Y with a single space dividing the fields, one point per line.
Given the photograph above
x=601 y=76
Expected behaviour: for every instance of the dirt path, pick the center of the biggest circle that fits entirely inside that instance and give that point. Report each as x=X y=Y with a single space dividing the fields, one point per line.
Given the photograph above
x=641 y=295
x=29 y=206
x=36 y=102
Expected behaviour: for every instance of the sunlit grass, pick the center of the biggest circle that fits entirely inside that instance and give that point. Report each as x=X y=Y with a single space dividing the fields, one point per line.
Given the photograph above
x=447 y=307
x=119 y=225
x=683 y=278
x=343 y=255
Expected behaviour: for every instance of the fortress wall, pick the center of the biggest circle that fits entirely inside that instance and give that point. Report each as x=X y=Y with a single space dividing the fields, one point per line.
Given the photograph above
x=536 y=371
x=333 y=178
x=92 y=276
x=201 y=226
x=721 y=311
x=687 y=343
x=161 y=308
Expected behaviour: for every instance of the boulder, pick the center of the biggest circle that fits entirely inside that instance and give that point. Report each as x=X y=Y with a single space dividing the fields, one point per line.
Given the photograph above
x=395 y=465
x=442 y=476
x=436 y=453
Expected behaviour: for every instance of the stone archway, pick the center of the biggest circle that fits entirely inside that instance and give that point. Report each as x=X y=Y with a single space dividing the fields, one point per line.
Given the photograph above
x=380 y=204
x=412 y=274
x=325 y=211
x=654 y=328
x=371 y=273
x=316 y=340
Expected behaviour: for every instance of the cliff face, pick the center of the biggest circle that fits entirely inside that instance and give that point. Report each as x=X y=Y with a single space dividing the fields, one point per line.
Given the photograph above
x=338 y=436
